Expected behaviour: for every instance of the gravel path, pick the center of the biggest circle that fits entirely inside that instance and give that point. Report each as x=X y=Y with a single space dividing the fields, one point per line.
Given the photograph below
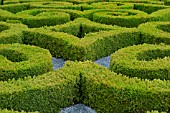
x=59 y=62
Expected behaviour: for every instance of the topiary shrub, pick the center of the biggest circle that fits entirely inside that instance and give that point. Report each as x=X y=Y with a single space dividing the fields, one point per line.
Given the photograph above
x=121 y=17
x=18 y=61
x=91 y=47
x=155 y=32
x=42 y=17
x=11 y=33
x=142 y=61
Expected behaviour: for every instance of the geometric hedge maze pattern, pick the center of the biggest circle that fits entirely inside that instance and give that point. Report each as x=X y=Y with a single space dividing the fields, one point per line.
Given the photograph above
x=135 y=33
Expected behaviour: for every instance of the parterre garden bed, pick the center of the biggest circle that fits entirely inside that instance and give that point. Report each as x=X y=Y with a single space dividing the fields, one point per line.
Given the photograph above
x=136 y=33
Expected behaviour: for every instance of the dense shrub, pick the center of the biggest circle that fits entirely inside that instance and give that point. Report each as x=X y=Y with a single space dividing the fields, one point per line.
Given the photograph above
x=121 y=17
x=149 y=8
x=18 y=61
x=91 y=47
x=14 y=8
x=104 y=91
x=143 y=61
x=42 y=17
x=160 y=15
x=11 y=33
x=155 y=32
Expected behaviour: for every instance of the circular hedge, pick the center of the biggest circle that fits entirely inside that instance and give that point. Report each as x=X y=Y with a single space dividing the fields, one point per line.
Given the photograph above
x=42 y=17
x=121 y=17
x=144 y=61
x=155 y=32
x=11 y=33
x=18 y=61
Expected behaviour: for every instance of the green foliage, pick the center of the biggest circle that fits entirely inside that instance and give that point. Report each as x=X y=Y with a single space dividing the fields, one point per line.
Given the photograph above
x=18 y=61
x=91 y=47
x=160 y=15
x=149 y=8
x=12 y=111
x=11 y=33
x=143 y=61
x=121 y=17
x=42 y=17
x=155 y=32
x=14 y=8
x=103 y=90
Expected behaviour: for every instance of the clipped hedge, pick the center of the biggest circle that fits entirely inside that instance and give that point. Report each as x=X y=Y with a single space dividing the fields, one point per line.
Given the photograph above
x=149 y=8
x=12 y=111
x=143 y=61
x=121 y=17
x=102 y=90
x=11 y=33
x=160 y=15
x=14 y=8
x=91 y=47
x=42 y=17
x=4 y=15
x=18 y=61
x=155 y=32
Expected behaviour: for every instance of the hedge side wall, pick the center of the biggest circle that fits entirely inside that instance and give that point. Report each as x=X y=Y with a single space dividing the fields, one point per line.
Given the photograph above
x=143 y=61
x=104 y=91
x=11 y=33
x=18 y=61
x=88 y=48
x=152 y=32
x=14 y=8
x=121 y=17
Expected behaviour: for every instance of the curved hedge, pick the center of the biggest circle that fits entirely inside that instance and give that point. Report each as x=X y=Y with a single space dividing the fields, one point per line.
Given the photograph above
x=42 y=17
x=149 y=8
x=14 y=8
x=155 y=32
x=121 y=17
x=11 y=33
x=160 y=15
x=91 y=47
x=18 y=61
x=99 y=89
x=143 y=61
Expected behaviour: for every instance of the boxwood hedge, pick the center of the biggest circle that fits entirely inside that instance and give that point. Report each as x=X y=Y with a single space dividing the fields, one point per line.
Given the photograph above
x=104 y=91
x=91 y=47
x=11 y=33
x=42 y=17
x=145 y=61
x=18 y=61
x=155 y=32
x=121 y=17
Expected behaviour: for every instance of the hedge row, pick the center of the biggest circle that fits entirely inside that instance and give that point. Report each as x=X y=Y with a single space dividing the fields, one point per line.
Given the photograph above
x=91 y=47
x=155 y=32
x=104 y=91
x=36 y=17
x=14 y=8
x=42 y=17
x=149 y=8
x=121 y=17
x=11 y=33
x=12 y=111
x=142 y=61
x=18 y=61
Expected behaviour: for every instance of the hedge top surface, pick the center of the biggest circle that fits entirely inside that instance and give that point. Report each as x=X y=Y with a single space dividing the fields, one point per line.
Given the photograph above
x=160 y=15
x=148 y=61
x=155 y=32
x=18 y=60
x=12 y=111
x=11 y=33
